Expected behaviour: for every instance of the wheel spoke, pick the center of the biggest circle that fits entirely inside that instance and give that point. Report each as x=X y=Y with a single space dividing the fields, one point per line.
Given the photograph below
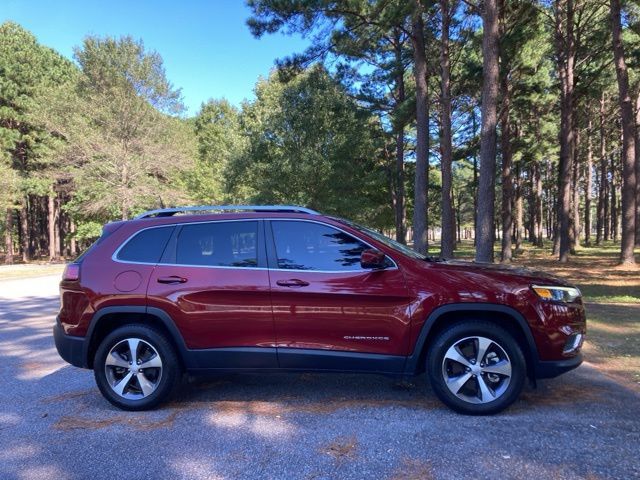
x=503 y=367
x=486 y=394
x=122 y=384
x=483 y=346
x=133 y=349
x=456 y=383
x=115 y=360
x=154 y=362
x=454 y=354
x=146 y=386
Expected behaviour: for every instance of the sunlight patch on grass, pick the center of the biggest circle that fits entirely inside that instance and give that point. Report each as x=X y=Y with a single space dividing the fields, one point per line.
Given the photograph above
x=614 y=299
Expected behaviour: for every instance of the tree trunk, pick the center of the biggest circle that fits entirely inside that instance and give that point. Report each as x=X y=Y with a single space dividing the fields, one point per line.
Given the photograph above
x=537 y=181
x=458 y=214
x=638 y=169
x=25 y=234
x=401 y=96
x=486 y=189
x=575 y=189
x=474 y=127
x=588 y=186
x=628 y=141
x=446 y=155
x=59 y=227
x=399 y=197
x=531 y=202
x=519 y=216
x=603 y=191
x=51 y=215
x=565 y=49
x=73 y=245
x=614 y=200
x=607 y=200
x=420 y=222
x=507 y=176
x=8 y=236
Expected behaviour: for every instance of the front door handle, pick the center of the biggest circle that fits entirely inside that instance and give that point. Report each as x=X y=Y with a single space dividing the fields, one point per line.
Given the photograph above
x=172 y=279
x=293 y=282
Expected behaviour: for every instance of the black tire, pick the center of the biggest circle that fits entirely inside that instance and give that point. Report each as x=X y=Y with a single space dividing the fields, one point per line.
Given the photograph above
x=150 y=343
x=503 y=352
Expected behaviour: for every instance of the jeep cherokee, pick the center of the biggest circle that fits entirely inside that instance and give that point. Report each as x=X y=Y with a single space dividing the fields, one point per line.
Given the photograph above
x=284 y=288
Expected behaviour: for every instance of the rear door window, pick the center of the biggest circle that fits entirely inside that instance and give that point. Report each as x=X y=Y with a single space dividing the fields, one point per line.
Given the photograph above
x=146 y=246
x=218 y=244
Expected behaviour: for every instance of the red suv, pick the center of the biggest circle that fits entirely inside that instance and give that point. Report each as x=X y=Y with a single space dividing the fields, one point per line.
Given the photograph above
x=282 y=288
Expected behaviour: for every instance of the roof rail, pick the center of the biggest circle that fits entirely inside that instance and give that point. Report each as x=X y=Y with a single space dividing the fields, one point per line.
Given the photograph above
x=168 y=212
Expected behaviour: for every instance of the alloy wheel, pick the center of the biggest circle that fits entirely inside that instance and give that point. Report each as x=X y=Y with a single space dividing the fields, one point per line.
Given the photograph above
x=133 y=368
x=476 y=369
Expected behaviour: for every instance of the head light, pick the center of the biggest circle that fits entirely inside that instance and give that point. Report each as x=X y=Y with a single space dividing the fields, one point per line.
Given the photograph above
x=557 y=294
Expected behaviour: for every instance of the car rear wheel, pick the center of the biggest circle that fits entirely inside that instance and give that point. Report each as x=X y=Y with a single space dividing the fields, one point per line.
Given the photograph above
x=136 y=368
x=476 y=367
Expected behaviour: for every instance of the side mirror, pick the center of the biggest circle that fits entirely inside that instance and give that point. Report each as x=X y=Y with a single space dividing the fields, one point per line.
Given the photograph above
x=373 y=259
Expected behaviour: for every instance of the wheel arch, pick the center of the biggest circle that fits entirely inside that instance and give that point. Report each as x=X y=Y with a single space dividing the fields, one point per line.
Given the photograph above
x=107 y=319
x=446 y=315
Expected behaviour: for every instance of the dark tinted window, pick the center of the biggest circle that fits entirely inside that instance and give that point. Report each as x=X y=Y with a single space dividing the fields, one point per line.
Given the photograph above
x=312 y=246
x=218 y=244
x=147 y=246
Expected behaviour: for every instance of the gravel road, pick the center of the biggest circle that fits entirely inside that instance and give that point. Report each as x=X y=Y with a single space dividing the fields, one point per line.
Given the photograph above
x=55 y=425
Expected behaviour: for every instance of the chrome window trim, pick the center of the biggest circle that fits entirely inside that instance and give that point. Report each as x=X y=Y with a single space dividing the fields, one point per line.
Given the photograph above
x=173 y=225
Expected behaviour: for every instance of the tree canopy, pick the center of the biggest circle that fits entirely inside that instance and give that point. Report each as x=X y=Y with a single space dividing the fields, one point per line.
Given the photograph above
x=432 y=121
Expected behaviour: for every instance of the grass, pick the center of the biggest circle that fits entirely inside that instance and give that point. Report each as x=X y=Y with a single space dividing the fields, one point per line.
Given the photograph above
x=29 y=270
x=612 y=298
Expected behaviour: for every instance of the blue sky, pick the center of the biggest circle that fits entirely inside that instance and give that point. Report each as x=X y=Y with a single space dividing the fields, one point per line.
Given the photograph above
x=207 y=48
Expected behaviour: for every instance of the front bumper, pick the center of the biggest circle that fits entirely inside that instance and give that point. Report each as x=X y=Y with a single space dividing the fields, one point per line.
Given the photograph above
x=70 y=348
x=553 y=368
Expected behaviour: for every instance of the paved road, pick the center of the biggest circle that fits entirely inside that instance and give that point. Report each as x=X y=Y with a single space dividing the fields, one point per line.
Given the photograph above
x=55 y=425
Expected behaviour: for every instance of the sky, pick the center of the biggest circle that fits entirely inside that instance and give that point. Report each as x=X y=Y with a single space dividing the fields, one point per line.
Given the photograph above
x=206 y=46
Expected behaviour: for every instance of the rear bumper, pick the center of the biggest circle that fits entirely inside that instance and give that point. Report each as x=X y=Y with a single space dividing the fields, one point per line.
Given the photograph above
x=550 y=369
x=70 y=348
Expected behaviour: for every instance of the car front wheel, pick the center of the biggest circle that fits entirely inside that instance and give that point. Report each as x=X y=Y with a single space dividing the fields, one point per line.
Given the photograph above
x=136 y=368
x=476 y=368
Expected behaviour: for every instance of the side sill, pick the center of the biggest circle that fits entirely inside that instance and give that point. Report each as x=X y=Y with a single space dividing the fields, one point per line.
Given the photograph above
x=249 y=359
x=330 y=360
x=235 y=358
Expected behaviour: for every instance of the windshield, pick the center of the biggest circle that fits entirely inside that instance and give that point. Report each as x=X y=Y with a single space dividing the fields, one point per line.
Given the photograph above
x=384 y=239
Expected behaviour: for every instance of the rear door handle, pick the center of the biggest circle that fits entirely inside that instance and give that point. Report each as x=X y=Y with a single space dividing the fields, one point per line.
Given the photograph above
x=172 y=279
x=293 y=282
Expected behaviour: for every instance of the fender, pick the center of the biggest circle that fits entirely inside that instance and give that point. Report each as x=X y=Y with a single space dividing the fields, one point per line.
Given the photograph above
x=166 y=320
x=411 y=365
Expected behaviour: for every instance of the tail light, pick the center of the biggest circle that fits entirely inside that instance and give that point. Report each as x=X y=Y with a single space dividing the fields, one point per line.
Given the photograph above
x=71 y=272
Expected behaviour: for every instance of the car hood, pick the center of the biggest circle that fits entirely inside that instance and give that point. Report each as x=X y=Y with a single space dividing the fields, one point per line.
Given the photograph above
x=468 y=281
x=492 y=270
